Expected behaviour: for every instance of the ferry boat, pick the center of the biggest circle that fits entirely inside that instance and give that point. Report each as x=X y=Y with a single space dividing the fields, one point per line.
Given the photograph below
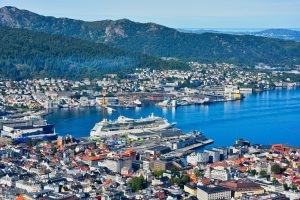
x=123 y=125
x=26 y=133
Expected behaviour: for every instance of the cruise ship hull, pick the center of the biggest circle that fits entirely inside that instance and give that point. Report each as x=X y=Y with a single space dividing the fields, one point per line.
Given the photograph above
x=129 y=126
x=21 y=133
x=35 y=138
x=129 y=131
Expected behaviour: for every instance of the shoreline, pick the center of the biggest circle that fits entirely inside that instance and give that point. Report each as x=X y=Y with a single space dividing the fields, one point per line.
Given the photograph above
x=45 y=112
x=51 y=110
x=249 y=119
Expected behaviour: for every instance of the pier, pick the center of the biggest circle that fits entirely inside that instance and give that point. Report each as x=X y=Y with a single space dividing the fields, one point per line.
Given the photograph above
x=187 y=150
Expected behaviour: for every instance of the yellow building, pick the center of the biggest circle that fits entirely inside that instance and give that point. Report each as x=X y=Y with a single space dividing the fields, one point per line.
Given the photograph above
x=191 y=189
x=238 y=194
x=244 y=187
x=237 y=96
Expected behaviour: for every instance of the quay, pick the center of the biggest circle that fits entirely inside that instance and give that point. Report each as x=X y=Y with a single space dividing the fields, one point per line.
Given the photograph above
x=186 y=150
x=197 y=145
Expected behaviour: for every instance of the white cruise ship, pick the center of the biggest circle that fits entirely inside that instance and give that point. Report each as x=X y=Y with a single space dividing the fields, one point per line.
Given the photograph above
x=124 y=125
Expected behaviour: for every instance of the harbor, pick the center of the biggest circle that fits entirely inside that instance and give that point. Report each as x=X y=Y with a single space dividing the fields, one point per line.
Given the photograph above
x=222 y=122
x=218 y=121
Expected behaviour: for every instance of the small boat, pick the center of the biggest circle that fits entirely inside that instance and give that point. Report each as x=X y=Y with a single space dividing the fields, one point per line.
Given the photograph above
x=110 y=110
x=205 y=100
x=174 y=103
x=138 y=103
x=164 y=103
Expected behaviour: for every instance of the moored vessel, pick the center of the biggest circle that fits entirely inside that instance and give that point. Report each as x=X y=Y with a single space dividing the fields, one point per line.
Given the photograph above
x=138 y=103
x=123 y=125
x=24 y=133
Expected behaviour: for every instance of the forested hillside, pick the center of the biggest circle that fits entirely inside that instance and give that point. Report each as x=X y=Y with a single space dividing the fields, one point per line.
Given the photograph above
x=161 y=41
x=26 y=54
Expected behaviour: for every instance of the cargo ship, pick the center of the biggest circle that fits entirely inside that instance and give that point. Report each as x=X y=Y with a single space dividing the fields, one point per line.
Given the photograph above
x=24 y=133
x=124 y=125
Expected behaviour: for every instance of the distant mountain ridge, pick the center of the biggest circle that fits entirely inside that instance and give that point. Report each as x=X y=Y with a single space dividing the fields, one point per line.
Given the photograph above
x=161 y=41
x=286 y=34
x=279 y=33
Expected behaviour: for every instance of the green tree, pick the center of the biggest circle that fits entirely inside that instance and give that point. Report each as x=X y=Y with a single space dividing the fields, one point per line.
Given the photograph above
x=276 y=169
x=185 y=179
x=275 y=181
x=175 y=171
x=263 y=174
x=286 y=187
x=158 y=173
x=198 y=173
x=294 y=187
x=54 y=151
x=181 y=181
x=253 y=172
x=137 y=183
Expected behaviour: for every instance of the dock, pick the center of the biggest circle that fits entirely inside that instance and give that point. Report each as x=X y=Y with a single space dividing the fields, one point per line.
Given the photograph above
x=187 y=150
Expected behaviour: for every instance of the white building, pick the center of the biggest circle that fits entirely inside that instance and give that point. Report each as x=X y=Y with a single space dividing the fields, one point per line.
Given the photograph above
x=217 y=173
x=213 y=193
x=291 y=195
x=223 y=152
x=7 y=181
x=197 y=158
x=214 y=156
x=28 y=186
x=269 y=187
x=116 y=165
x=146 y=165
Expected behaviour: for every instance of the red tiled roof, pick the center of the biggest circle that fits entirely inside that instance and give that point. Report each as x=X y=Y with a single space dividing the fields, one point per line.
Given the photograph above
x=92 y=158
x=241 y=185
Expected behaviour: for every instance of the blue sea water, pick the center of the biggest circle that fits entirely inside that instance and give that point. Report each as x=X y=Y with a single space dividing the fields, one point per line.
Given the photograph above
x=267 y=118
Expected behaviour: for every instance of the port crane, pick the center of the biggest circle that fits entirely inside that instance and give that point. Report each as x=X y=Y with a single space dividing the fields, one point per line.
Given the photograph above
x=104 y=103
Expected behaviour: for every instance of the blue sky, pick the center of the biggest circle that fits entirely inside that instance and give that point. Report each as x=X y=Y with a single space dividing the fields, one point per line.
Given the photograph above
x=174 y=13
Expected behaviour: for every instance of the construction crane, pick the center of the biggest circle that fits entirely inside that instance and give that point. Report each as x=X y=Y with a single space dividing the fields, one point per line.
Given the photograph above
x=104 y=103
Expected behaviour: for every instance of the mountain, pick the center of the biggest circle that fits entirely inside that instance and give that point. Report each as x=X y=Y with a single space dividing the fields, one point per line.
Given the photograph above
x=157 y=40
x=27 y=54
x=200 y=30
x=285 y=34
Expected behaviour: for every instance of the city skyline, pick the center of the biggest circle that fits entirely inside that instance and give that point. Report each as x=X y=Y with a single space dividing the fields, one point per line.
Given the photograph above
x=205 y=14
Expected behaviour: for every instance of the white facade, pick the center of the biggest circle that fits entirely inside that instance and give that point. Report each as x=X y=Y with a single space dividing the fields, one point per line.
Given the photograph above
x=7 y=181
x=214 y=155
x=205 y=195
x=29 y=187
x=223 y=151
x=146 y=165
x=116 y=165
x=196 y=158
x=292 y=195
x=272 y=188
x=217 y=173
